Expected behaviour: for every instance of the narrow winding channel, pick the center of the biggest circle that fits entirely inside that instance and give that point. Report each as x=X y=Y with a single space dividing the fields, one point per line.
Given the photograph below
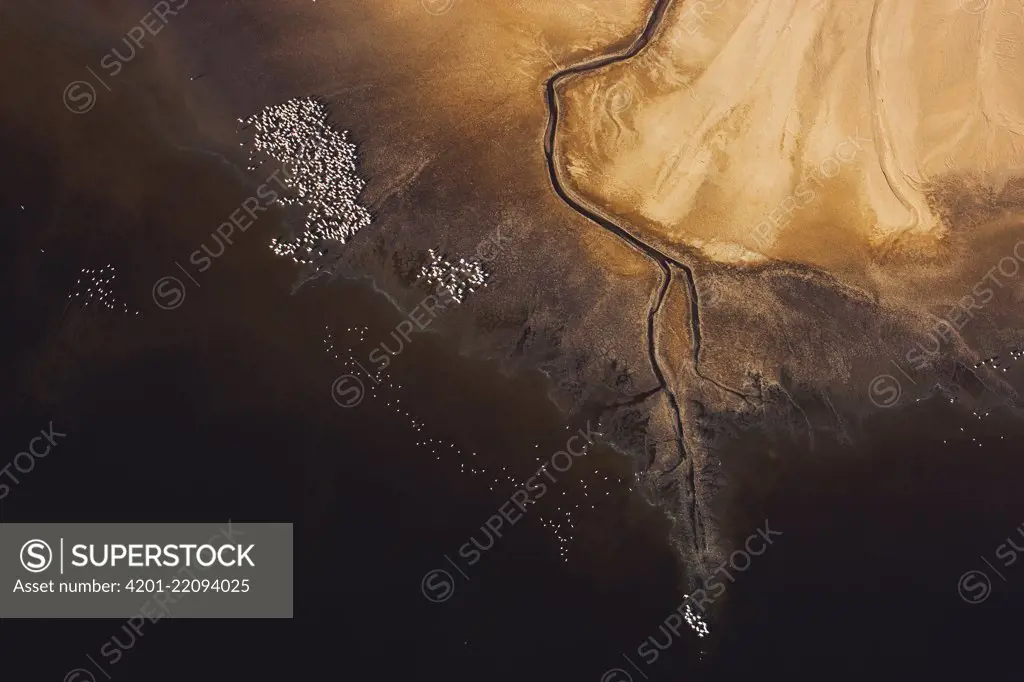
x=664 y=261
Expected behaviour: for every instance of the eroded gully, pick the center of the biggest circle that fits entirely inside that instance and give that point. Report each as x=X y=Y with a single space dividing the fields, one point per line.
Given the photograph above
x=665 y=262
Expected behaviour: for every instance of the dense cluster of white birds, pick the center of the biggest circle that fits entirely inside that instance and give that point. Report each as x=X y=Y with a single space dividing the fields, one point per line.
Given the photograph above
x=696 y=621
x=576 y=490
x=320 y=165
x=456 y=280
x=94 y=287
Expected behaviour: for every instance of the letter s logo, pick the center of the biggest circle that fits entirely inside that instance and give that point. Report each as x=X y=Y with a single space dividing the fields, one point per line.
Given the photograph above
x=36 y=556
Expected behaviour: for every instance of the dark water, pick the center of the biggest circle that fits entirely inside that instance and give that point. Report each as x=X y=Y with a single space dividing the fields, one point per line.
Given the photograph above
x=222 y=409
x=865 y=579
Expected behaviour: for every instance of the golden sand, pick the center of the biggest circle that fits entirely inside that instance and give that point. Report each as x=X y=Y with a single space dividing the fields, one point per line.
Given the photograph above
x=807 y=131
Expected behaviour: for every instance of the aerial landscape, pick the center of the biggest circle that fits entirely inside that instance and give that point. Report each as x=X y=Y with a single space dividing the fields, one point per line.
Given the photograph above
x=611 y=340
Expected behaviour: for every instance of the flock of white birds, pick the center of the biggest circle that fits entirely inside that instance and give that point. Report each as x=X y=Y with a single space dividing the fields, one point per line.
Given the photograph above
x=456 y=280
x=320 y=169
x=94 y=288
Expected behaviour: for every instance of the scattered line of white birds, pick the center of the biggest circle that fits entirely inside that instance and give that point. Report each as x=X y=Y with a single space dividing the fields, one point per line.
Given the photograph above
x=457 y=279
x=348 y=360
x=995 y=363
x=320 y=165
x=573 y=494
